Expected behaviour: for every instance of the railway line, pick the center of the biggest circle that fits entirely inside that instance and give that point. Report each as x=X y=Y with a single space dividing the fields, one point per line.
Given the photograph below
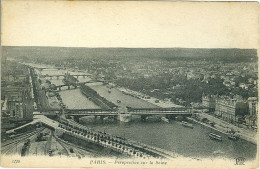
x=80 y=152
x=21 y=137
x=14 y=146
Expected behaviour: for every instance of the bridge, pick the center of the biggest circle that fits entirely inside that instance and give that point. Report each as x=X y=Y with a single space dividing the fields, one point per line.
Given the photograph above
x=115 y=112
x=74 y=75
x=160 y=111
x=130 y=110
x=90 y=112
x=75 y=85
x=44 y=68
x=133 y=111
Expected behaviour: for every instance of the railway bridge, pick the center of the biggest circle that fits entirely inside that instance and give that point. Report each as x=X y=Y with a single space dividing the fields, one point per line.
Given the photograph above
x=130 y=110
x=62 y=75
x=47 y=68
x=76 y=114
x=134 y=111
x=69 y=85
x=115 y=113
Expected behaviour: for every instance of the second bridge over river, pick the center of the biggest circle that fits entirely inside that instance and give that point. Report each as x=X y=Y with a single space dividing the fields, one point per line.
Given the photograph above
x=118 y=113
x=133 y=111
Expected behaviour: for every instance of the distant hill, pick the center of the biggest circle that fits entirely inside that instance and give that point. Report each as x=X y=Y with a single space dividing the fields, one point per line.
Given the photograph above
x=50 y=52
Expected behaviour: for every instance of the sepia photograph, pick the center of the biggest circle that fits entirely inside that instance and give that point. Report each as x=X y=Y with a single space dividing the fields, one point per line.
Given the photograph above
x=129 y=84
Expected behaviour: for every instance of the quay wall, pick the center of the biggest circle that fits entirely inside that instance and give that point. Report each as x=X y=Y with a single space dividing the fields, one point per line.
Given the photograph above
x=221 y=131
x=94 y=148
x=115 y=143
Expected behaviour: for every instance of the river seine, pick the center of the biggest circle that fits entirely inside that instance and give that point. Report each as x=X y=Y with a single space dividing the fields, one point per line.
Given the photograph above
x=171 y=136
x=177 y=138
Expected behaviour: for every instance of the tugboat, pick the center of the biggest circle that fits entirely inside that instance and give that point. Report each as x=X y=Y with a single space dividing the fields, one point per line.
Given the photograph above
x=186 y=124
x=165 y=119
x=233 y=136
x=215 y=136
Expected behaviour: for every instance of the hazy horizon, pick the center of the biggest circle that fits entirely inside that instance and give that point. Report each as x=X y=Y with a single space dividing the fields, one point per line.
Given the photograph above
x=81 y=52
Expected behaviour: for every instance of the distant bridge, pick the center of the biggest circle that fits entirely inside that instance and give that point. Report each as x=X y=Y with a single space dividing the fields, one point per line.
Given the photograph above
x=74 y=75
x=43 y=68
x=75 y=85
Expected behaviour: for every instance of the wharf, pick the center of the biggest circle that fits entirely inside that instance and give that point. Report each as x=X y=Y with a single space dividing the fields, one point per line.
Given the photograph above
x=218 y=129
x=142 y=150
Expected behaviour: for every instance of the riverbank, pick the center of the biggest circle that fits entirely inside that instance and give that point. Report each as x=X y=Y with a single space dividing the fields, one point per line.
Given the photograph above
x=122 y=145
x=217 y=127
x=152 y=100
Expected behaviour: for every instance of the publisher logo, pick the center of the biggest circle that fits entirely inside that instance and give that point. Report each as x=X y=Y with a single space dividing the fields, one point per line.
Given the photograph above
x=240 y=161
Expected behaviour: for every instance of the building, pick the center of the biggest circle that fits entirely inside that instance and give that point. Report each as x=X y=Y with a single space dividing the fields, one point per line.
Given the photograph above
x=251 y=119
x=230 y=109
x=16 y=93
x=70 y=80
x=252 y=101
x=17 y=103
x=209 y=102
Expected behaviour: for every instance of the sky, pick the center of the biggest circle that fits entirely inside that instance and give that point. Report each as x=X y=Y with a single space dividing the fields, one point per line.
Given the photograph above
x=130 y=24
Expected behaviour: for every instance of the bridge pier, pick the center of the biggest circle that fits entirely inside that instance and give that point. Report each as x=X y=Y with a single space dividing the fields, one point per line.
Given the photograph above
x=179 y=118
x=143 y=117
x=168 y=116
x=127 y=117
x=101 y=118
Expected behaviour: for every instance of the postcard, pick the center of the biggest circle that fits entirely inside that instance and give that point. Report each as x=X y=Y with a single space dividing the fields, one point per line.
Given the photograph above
x=129 y=84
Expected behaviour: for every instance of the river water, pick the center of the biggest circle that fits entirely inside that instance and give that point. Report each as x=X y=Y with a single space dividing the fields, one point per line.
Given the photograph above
x=177 y=138
x=170 y=136
x=74 y=99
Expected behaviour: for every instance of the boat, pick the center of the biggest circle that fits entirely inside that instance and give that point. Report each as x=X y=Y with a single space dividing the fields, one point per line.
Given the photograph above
x=105 y=118
x=215 y=136
x=165 y=119
x=218 y=152
x=186 y=124
x=233 y=136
